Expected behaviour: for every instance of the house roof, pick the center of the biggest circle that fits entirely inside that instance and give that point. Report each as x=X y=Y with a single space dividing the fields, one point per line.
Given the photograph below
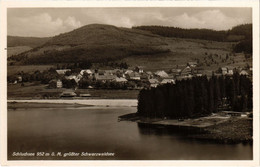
x=134 y=74
x=149 y=73
x=176 y=70
x=68 y=93
x=224 y=68
x=161 y=73
x=105 y=77
x=128 y=71
x=186 y=70
x=243 y=72
x=71 y=77
x=63 y=71
x=153 y=81
x=120 y=79
x=164 y=81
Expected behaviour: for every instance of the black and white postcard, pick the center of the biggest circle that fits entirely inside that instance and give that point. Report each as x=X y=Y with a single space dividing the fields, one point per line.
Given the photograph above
x=166 y=83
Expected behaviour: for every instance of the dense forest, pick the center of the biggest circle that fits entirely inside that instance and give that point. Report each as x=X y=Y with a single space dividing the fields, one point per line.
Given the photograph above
x=185 y=33
x=196 y=97
x=241 y=34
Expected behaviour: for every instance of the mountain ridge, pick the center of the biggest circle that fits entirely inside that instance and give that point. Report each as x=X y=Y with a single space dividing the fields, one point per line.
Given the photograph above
x=99 y=43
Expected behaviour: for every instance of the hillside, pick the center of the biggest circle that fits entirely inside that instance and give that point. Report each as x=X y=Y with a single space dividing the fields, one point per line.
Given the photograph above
x=102 y=43
x=13 y=41
x=94 y=43
x=235 y=34
x=241 y=34
x=17 y=50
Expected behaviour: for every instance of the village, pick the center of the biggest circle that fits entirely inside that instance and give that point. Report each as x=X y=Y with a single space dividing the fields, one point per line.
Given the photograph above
x=131 y=78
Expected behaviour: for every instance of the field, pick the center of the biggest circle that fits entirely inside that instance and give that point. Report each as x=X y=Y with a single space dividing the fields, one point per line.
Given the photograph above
x=11 y=70
x=17 y=50
x=39 y=91
x=186 y=50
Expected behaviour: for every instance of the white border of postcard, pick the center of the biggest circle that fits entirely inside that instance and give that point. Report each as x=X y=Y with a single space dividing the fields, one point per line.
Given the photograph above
x=60 y=4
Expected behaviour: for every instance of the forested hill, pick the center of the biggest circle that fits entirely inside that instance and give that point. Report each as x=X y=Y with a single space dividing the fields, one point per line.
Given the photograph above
x=235 y=34
x=33 y=42
x=94 y=43
x=240 y=33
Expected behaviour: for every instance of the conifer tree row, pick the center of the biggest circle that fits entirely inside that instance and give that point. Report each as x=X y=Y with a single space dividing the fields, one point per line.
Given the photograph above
x=197 y=97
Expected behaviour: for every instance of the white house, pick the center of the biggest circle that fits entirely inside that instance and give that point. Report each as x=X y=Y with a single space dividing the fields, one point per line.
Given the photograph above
x=224 y=70
x=59 y=84
x=134 y=76
x=162 y=74
x=192 y=64
x=243 y=72
x=88 y=71
x=153 y=82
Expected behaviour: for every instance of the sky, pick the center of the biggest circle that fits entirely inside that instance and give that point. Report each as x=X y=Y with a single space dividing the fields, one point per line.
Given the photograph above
x=46 y=22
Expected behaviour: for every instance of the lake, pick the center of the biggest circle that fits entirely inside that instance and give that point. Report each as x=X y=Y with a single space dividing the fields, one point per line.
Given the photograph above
x=97 y=130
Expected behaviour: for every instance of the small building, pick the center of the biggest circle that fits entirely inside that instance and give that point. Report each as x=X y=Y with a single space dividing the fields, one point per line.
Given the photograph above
x=149 y=74
x=161 y=74
x=105 y=78
x=59 y=84
x=68 y=94
x=128 y=71
x=145 y=77
x=85 y=95
x=87 y=71
x=230 y=113
x=230 y=72
x=165 y=81
x=224 y=70
x=120 y=79
x=176 y=71
x=54 y=83
x=20 y=78
x=139 y=69
x=192 y=64
x=244 y=72
x=153 y=83
x=71 y=77
x=134 y=76
x=199 y=75
x=186 y=71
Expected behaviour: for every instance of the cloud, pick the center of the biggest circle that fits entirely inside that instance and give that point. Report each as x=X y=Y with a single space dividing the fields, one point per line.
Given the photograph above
x=50 y=22
x=72 y=22
x=210 y=19
x=41 y=25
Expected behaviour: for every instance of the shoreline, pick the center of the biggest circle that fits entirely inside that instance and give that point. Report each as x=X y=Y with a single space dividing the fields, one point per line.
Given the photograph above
x=224 y=130
x=232 y=130
x=83 y=102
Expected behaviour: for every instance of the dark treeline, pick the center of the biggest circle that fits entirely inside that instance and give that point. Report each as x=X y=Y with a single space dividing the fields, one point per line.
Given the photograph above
x=241 y=34
x=244 y=30
x=197 y=97
x=205 y=34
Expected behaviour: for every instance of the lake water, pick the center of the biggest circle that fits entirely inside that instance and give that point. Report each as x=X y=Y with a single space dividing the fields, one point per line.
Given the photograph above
x=97 y=130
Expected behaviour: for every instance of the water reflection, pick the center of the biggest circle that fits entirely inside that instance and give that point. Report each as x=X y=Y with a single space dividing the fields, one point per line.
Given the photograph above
x=96 y=129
